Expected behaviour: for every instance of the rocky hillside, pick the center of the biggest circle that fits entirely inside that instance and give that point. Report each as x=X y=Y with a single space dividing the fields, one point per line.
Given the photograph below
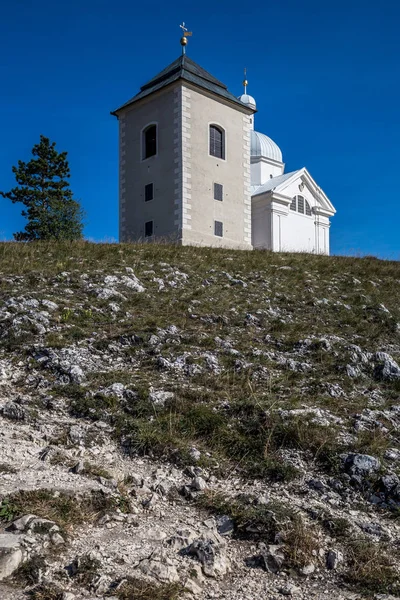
x=197 y=423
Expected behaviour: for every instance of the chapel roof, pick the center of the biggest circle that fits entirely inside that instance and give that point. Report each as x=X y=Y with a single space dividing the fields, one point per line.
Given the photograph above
x=186 y=69
x=272 y=183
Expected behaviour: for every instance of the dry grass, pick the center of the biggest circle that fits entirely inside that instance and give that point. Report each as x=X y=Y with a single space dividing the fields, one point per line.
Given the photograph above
x=301 y=545
x=138 y=589
x=66 y=510
x=251 y=520
x=45 y=592
x=372 y=567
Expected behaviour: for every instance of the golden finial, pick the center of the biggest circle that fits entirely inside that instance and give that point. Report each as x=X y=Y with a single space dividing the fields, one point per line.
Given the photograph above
x=186 y=34
x=245 y=82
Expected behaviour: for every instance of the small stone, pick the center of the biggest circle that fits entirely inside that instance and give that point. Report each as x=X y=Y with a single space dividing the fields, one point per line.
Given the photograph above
x=289 y=590
x=57 y=539
x=333 y=557
x=199 y=484
x=272 y=558
x=76 y=374
x=308 y=569
x=225 y=525
x=195 y=454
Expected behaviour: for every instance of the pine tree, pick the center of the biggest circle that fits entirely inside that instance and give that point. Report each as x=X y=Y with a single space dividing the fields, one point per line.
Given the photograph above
x=51 y=210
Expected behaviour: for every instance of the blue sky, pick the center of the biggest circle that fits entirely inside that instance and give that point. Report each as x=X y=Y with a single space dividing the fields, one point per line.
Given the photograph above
x=326 y=77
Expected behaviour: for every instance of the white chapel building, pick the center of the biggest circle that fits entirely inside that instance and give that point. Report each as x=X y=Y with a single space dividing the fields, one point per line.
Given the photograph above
x=193 y=170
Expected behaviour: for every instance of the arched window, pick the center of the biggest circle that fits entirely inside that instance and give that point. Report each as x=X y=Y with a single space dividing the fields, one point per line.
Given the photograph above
x=217 y=142
x=150 y=141
x=299 y=204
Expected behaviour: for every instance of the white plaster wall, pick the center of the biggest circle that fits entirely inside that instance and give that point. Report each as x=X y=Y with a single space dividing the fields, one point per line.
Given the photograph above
x=261 y=171
x=205 y=170
x=277 y=228
x=298 y=233
x=160 y=170
x=261 y=225
x=302 y=233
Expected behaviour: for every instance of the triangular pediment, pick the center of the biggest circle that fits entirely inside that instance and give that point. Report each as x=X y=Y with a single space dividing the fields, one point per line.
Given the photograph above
x=290 y=184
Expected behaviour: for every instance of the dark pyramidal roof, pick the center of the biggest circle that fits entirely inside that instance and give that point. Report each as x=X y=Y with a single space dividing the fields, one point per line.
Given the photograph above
x=184 y=68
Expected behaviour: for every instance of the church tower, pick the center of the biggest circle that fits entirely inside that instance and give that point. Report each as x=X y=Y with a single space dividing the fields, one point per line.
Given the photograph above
x=184 y=160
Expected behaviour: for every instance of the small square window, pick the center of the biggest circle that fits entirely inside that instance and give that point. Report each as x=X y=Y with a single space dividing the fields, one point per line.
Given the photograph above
x=148 y=229
x=218 y=228
x=218 y=191
x=148 y=192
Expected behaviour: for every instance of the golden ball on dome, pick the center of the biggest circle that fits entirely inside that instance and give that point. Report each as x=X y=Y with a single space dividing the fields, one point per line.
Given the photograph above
x=183 y=41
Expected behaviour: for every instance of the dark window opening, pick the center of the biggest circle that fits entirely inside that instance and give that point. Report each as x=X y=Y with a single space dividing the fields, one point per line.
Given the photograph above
x=148 y=192
x=218 y=228
x=301 y=205
x=218 y=192
x=217 y=142
x=150 y=141
x=148 y=229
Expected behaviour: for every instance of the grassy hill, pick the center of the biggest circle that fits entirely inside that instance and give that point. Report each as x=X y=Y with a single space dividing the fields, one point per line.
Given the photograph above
x=270 y=381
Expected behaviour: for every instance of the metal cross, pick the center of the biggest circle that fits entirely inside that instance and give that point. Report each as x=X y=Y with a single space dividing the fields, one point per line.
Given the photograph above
x=183 y=27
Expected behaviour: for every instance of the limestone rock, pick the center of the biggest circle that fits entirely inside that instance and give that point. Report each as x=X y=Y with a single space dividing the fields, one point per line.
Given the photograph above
x=333 y=558
x=13 y=411
x=361 y=464
x=225 y=525
x=11 y=555
x=199 y=484
x=272 y=558
x=159 y=566
x=212 y=556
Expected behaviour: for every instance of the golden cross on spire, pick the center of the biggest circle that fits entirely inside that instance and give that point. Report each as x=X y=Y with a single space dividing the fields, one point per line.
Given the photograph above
x=185 y=35
x=245 y=82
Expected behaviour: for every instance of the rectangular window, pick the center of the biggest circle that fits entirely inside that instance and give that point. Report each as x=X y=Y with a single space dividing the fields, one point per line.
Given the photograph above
x=293 y=204
x=218 y=191
x=148 y=192
x=217 y=142
x=300 y=205
x=150 y=141
x=148 y=229
x=218 y=228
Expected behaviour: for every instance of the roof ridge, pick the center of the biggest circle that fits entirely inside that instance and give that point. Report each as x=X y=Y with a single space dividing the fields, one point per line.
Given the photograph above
x=185 y=68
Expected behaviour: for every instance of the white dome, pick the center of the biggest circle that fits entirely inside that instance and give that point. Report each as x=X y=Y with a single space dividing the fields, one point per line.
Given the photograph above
x=262 y=146
x=248 y=100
